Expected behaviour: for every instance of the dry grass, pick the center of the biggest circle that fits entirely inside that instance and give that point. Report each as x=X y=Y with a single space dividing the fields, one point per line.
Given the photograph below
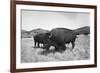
x=80 y=52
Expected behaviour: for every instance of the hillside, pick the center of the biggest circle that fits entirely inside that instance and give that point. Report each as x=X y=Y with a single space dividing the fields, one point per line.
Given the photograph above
x=28 y=34
x=83 y=30
x=37 y=31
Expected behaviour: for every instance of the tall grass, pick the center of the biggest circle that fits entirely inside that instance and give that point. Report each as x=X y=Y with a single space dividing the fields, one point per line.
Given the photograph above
x=30 y=54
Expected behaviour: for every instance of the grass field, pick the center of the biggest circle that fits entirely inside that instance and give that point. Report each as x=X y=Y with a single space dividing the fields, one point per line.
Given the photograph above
x=30 y=54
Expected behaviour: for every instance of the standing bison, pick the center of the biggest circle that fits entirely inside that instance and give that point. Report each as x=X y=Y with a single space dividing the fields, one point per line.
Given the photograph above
x=41 y=38
x=61 y=36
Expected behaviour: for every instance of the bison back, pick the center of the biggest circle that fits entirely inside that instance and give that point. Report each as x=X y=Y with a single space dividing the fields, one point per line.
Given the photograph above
x=62 y=35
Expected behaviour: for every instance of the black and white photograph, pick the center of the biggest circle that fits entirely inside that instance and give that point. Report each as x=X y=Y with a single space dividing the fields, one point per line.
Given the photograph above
x=52 y=36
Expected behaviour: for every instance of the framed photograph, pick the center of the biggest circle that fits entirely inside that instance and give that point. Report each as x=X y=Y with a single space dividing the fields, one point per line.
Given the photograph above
x=52 y=36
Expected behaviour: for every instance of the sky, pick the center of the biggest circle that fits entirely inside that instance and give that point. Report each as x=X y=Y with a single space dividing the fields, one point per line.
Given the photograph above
x=31 y=19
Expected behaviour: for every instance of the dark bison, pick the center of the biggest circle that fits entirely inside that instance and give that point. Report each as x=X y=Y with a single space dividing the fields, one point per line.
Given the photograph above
x=61 y=36
x=41 y=38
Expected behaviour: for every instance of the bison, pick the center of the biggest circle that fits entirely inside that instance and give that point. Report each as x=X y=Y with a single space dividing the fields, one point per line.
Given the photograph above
x=61 y=36
x=41 y=38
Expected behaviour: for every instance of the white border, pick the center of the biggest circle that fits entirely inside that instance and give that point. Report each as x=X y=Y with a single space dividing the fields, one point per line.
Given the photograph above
x=51 y=64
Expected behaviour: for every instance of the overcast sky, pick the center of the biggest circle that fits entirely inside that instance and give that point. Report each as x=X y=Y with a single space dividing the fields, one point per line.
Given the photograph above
x=48 y=20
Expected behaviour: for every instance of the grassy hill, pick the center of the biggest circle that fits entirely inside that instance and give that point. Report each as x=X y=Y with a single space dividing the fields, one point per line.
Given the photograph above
x=37 y=31
x=83 y=30
x=28 y=34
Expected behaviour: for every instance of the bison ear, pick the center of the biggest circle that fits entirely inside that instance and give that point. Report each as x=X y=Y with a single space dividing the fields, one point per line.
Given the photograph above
x=48 y=34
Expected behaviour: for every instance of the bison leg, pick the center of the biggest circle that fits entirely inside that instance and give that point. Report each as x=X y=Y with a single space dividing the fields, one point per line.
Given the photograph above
x=35 y=44
x=73 y=44
x=63 y=48
x=60 y=48
x=38 y=44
